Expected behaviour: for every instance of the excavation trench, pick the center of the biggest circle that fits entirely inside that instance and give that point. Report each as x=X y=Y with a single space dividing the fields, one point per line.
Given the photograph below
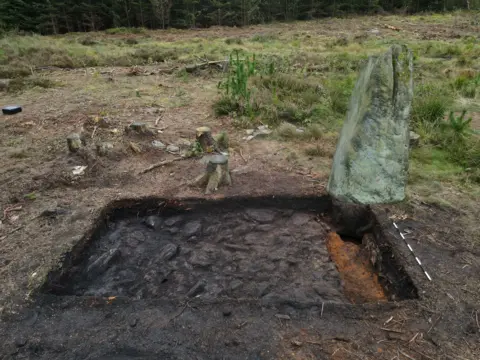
x=276 y=250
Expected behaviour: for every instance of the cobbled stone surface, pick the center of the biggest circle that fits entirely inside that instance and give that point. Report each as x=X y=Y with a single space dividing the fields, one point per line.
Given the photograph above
x=247 y=253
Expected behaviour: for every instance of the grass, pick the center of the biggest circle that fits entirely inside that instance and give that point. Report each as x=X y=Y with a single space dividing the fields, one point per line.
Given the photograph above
x=301 y=82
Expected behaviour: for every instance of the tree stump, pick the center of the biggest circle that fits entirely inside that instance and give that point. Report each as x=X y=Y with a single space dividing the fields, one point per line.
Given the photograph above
x=206 y=140
x=217 y=174
x=74 y=142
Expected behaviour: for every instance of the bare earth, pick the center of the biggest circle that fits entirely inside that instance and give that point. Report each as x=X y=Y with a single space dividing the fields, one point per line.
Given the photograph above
x=37 y=229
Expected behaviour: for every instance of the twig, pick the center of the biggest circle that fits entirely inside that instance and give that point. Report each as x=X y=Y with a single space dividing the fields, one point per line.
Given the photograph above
x=241 y=155
x=94 y=130
x=407 y=356
x=157 y=165
x=321 y=312
x=178 y=314
x=393 y=330
x=476 y=318
x=11 y=208
x=413 y=338
x=422 y=354
x=314 y=343
x=11 y=232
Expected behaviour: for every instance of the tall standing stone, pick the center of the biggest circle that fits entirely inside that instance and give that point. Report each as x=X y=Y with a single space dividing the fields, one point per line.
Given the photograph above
x=371 y=160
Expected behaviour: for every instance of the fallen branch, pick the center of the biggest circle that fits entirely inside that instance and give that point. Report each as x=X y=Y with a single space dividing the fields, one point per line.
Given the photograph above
x=222 y=64
x=161 y=163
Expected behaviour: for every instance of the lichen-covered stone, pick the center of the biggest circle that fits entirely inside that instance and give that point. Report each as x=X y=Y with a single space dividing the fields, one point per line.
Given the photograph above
x=371 y=160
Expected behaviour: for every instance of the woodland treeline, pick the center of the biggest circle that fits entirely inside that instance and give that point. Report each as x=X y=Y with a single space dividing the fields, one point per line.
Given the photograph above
x=60 y=16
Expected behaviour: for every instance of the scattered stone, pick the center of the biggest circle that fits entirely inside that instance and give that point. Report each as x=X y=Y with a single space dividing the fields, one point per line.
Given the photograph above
x=261 y=131
x=173 y=230
x=371 y=161
x=197 y=289
x=283 y=317
x=74 y=142
x=101 y=264
x=168 y=252
x=20 y=341
x=104 y=148
x=249 y=131
x=158 y=145
x=173 y=220
x=414 y=139
x=153 y=222
x=374 y=31
x=184 y=142
x=296 y=342
x=139 y=128
x=235 y=284
x=78 y=170
x=133 y=322
x=300 y=219
x=261 y=215
x=201 y=260
x=192 y=228
x=173 y=148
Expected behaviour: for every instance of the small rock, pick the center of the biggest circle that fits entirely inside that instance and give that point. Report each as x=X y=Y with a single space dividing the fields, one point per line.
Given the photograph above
x=201 y=260
x=300 y=131
x=261 y=215
x=300 y=219
x=262 y=127
x=249 y=131
x=153 y=222
x=104 y=148
x=414 y=139
x=173 y=220
x=173 y=230
x=133 y=322
x=197 y=289
x=102 y=263
x=192 y=228
x=184 y=142
x=20 y=341
x=158 y=145
x=74 y=142
x=173 y=148
x=78 y=170
x=297 y=342
x=283 y=317
x=235 y=284
x=168 y=252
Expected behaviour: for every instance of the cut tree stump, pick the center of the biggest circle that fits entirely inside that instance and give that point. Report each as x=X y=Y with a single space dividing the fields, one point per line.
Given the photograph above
x=217 y=174
x=206 y=140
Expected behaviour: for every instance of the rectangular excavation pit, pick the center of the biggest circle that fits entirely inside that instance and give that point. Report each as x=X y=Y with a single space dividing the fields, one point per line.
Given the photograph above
x=274 y=249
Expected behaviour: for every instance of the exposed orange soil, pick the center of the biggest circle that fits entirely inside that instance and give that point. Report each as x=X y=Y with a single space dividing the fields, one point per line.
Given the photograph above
x=359 y=280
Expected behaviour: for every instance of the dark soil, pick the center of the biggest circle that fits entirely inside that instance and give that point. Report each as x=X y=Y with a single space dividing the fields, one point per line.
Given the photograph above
x=209 y=253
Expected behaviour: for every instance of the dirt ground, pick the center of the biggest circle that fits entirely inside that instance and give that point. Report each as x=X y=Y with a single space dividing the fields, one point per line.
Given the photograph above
x=47 y=210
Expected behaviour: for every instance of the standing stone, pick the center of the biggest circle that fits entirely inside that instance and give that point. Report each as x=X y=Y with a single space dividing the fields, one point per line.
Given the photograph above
x=371 y=160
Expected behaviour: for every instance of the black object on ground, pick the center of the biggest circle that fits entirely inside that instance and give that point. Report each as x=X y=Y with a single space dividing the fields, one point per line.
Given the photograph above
x=11 y=110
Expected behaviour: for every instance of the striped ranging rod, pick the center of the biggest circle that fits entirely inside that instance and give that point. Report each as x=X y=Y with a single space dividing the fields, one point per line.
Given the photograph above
x=411 y=250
